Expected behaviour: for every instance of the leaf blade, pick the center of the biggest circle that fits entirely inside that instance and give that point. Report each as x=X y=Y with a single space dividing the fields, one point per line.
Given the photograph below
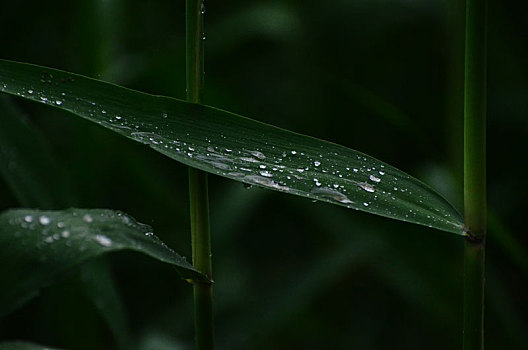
x=42 y=245
x=238 y=148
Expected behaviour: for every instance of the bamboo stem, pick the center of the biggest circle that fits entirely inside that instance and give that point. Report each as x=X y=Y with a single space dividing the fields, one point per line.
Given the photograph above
x=198 y=193
x=475 y=174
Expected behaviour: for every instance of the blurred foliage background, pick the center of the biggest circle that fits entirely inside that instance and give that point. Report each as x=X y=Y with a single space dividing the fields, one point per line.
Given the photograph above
x=384 y=77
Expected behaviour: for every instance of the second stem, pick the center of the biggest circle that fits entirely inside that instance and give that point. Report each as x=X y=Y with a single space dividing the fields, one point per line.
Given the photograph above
x=198 y=193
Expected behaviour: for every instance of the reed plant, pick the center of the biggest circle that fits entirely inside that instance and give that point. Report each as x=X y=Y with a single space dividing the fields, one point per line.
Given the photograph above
x=45 y=241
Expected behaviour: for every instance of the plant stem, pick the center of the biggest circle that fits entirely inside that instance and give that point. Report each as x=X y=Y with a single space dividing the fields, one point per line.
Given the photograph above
x=198 y=194
x=475 y=174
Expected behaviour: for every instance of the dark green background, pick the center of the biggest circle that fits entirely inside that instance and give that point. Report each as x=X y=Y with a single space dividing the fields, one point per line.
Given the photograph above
x=383 y=77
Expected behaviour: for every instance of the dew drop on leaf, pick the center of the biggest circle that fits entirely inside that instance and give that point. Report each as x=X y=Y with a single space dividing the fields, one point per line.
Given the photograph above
x=103 y=240
x=374 y=178
x=44 y=220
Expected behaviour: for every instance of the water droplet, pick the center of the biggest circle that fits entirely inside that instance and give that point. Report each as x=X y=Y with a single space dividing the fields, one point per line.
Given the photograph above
x=149 y=234
x=316 y=163
x=381 y=172
x=44 y=220
x=219 y=165
x=317 y=183
x=258 y=154
x=331 y=194
x=262 y=166
x=118 y=117
x=58 y=102
x=374 y=178
x=294 y=152
x=266 y=173
x=48 y=239
x=28 y=218
x=103 y=240
x=365 y=204
x=103 y=111
x=30 y=92
x=65 y=234
x=366 y=187
x=87 y=218
x=263 y=181
x=60 y=224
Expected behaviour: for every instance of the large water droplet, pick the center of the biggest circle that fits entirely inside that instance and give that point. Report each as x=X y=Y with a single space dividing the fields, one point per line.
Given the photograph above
x=103 y=240
x=28 y=218
x=44 y=220
x=266 y=173
x=258 y=154
x=331 y=194
x=374 y=178
x=88 y=218
x=366 y=187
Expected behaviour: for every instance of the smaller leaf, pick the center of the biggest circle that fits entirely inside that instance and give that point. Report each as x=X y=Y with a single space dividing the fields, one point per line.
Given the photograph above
x=38 y=246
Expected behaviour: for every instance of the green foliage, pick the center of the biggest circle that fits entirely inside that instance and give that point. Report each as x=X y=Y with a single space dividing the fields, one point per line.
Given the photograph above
x=40 y=245
x=289 y=273
x=238 y=148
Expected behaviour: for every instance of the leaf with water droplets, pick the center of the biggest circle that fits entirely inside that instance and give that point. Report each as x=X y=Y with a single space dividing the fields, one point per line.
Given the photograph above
x=39 y=246
x=238 y=148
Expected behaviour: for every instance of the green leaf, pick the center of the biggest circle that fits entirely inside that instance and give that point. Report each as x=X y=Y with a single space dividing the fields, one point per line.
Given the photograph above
x=37 y=246
x=238 y=148
x=25 y=163
x=18 y=345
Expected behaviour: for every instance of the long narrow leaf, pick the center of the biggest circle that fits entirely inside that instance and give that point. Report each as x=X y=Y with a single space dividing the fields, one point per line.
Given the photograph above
x=37 y=246
x=238 y=148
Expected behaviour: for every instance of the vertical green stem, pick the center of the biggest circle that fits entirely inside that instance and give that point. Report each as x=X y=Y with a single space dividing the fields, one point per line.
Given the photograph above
x=199 y=201
x=475 y=173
